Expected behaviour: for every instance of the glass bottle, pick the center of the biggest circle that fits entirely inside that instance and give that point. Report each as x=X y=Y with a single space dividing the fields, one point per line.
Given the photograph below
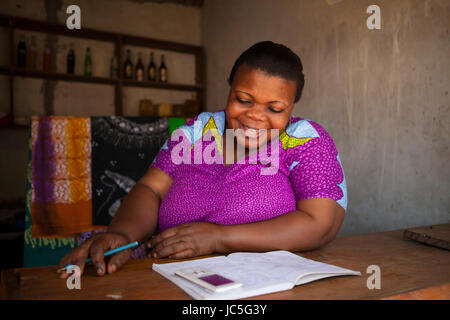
x=71 y=60
x=139 y=68
x=21 y=52
x=151 y=74
x=88 y=63
x=162 y=70
x=128 y=67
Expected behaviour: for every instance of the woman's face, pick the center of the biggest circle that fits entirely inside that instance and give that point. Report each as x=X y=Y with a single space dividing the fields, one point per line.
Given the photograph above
x=258 y=101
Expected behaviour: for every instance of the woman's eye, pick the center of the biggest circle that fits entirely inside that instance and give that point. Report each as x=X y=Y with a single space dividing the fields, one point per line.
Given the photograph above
x=275 y=110
x=243 y=101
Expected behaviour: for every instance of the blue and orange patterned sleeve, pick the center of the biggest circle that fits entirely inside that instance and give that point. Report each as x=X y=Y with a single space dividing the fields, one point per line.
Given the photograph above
x=315 y=168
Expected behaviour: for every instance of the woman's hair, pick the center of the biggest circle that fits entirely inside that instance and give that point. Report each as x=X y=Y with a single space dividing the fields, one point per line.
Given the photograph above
x=275 y=60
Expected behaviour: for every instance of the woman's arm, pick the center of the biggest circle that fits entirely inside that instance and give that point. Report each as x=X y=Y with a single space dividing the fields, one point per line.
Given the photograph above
x=136 y=219
x=313 y=224
x=137 y=216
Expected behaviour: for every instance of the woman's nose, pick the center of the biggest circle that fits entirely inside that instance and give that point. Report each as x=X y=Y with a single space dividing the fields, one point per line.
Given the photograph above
x=256 y=113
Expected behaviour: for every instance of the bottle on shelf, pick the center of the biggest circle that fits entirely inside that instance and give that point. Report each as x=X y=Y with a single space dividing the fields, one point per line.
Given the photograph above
x=128 y=67
x=71 y=60
x=139 y=69
x=31 y=61
x=162 y=70
x=114 y=68
x=151 y=73
x=21 y=52
x=88 y=63
x=47 y=58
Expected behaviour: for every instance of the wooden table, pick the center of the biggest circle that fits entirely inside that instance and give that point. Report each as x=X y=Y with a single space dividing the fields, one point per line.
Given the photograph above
x=409 y=270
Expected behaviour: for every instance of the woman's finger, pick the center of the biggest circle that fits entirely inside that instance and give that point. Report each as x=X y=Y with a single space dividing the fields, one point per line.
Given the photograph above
x=76 y=257
x=168 y=233
x=187 y=253
x=97 y=251
x=173 y=248
x=164 y=243
x=118 y=260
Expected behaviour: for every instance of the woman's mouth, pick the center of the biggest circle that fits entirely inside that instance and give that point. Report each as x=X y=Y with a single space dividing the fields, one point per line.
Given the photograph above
x=249 y=132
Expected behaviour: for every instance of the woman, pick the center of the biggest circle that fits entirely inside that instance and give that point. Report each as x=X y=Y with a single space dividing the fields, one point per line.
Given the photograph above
x=199 y=208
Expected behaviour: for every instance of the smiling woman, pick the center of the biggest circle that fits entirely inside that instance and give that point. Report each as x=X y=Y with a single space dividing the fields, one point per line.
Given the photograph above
x=197 y=208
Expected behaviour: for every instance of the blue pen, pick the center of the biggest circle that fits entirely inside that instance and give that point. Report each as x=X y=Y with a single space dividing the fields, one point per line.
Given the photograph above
x=108 y=253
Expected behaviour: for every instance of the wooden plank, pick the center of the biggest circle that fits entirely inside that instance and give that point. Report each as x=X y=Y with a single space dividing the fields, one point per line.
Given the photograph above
x=159 y=44
x=60 y=29
x=437 y=235
x=61 y=76
x=439 y=292
x=406 y=266
x=161 y=85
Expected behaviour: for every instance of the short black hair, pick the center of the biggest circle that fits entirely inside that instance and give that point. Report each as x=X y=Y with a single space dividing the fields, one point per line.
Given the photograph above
x=274 y=59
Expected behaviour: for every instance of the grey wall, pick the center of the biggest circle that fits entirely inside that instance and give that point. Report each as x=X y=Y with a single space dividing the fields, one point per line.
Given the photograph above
x=381 y=94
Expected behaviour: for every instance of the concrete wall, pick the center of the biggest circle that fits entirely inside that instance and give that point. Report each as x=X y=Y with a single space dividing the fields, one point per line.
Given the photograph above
x=381 y=94
x=170 y=22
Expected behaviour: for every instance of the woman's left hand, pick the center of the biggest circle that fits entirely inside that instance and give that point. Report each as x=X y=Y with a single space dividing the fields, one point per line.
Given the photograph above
x=185 y=241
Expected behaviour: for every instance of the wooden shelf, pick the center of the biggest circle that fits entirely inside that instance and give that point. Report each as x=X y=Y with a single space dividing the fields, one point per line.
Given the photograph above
x=119 y=40
x=77 y=78
x=161 y=85
x=61 y=76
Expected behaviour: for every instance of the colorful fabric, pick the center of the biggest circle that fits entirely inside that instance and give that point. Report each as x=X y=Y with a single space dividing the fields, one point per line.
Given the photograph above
x=122 y=150
x=55 y=166
x=61 y=203
x=41 y=251
x=309 y=167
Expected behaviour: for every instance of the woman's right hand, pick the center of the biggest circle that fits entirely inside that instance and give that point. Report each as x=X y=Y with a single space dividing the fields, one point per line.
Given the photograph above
x=95 y=247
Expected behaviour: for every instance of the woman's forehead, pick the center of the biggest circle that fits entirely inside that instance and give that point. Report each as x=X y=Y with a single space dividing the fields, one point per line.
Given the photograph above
x=258 y=82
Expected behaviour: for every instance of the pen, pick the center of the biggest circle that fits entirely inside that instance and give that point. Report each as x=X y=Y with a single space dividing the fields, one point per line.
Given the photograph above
x=108 y=253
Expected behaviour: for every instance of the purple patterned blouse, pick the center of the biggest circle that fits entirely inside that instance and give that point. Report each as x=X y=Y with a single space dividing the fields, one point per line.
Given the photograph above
x=308 y=167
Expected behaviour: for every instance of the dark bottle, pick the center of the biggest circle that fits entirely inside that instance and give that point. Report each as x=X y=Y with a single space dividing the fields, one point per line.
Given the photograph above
x=88 y=63
x=128 y=67
x=139 y=69
x=22 y=53
x=162 y=70
x=151 y=74
x=71 y=60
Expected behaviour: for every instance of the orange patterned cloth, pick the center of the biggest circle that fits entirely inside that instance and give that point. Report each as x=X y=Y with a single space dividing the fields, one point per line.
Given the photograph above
x=61 y=203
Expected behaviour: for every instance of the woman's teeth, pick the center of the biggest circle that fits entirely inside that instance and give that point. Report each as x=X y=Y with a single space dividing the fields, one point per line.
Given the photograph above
x=250 y=132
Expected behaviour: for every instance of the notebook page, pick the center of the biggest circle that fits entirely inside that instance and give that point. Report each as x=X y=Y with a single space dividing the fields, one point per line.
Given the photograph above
x=254 y=281
x=288 y=266
x=260 y=273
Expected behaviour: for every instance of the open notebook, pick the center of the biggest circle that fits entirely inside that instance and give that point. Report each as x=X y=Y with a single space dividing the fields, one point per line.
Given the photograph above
x=260 y=273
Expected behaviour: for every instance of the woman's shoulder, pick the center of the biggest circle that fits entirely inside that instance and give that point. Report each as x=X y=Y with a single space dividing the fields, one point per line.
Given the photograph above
x=302 y=128
x=211 y=119
x=195 y=127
